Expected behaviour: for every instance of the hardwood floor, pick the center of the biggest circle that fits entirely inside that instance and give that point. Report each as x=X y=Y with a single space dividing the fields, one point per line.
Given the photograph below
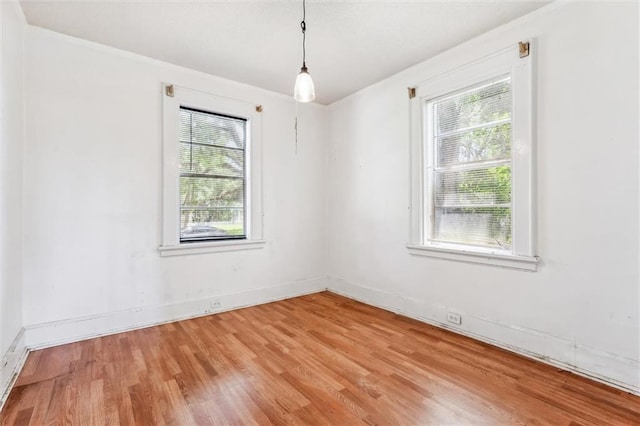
x=318 y=359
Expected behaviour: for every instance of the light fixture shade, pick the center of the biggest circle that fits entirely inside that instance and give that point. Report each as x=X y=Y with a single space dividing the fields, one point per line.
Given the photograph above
x=304 y=90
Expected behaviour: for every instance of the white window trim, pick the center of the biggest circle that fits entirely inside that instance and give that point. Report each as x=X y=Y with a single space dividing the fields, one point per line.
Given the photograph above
x=171 y=245
x=523 y=254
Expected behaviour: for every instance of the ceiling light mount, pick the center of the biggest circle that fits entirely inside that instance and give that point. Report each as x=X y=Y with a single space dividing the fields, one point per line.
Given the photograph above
x=303 y=90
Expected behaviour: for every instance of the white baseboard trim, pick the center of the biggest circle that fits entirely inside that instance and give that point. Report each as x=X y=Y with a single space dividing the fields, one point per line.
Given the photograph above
x=601 y=366
x=611 y=369
x=12 y=363
x=56 y=333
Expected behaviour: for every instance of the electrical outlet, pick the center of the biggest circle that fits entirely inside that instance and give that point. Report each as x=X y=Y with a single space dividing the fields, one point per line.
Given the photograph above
x=454 y=318
x=215 y=303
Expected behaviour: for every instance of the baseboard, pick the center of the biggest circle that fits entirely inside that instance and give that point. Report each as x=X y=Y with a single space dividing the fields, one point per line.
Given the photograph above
x=12 y=363
x=607 y=368
x=50 y=334
x=601 y=366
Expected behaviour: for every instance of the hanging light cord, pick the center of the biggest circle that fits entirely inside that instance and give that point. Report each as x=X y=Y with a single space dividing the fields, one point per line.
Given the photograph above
x=303 y=25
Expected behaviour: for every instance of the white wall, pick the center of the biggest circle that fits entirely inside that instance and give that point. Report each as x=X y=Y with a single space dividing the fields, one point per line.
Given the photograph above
x=581 y=307
x=11 y=124
x=93 y=195
x=12 y=344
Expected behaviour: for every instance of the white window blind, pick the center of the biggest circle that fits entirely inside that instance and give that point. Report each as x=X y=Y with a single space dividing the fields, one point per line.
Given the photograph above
x=212 y=176
x=470 y=174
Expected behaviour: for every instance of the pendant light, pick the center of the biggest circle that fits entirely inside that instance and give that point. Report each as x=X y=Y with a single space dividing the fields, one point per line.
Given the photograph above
x=304 y=90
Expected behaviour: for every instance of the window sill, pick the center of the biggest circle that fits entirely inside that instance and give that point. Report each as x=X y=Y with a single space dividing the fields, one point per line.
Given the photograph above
x=210 y=247
x=469 y=255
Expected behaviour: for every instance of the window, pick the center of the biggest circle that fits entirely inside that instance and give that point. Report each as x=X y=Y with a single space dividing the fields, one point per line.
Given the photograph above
x=212 y=173
x=469 y=134
x=212 y=178
x=472 y=164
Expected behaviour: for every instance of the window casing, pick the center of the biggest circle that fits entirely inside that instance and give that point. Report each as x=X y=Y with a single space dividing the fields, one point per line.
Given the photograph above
x=472 y=164
x=212 y=173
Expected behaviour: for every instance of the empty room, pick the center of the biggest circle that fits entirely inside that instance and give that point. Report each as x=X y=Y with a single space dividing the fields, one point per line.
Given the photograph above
x=320 y=212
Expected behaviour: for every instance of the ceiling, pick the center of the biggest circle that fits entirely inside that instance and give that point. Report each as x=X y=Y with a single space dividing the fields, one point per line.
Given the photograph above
x=350 y=44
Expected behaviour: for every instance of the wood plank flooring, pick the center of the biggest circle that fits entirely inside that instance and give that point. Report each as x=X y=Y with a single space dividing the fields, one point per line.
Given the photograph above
x=317 y=359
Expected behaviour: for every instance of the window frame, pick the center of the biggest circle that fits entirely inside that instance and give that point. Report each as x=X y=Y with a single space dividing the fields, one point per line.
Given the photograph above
x=206 y=102
x=502 y=63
